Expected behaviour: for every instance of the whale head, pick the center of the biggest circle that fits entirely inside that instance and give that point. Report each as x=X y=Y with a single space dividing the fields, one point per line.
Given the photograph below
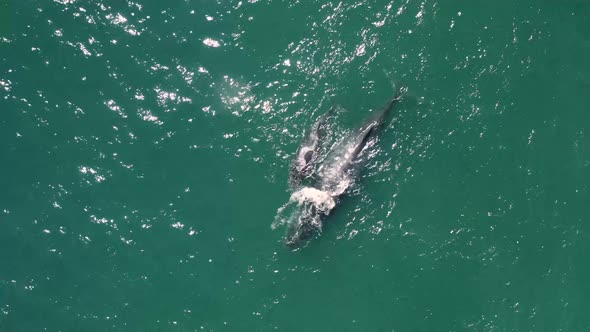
x=310 y=205
x=308 y=223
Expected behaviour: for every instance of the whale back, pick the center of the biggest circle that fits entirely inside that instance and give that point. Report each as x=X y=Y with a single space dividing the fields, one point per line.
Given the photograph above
x=309 y=150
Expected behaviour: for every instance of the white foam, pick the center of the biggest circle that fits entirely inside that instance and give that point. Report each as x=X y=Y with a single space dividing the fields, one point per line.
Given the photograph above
x=322 y=200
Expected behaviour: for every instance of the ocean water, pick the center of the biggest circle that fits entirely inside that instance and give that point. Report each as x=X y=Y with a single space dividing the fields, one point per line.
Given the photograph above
x=145 y=148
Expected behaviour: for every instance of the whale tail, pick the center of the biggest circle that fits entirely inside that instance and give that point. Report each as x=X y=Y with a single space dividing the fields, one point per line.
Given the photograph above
x=399 y=94
x=401 y=91
x=379 y=119
x=372 y=127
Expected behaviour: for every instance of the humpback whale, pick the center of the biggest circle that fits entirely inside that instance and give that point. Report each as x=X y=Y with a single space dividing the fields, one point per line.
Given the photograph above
x=310 y=204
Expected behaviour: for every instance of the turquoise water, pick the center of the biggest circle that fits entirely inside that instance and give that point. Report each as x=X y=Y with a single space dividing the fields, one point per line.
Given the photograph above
x=145 y=149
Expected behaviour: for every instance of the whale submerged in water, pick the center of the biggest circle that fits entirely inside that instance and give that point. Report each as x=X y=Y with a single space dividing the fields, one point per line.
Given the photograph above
x=307 y=154
x=328 y=178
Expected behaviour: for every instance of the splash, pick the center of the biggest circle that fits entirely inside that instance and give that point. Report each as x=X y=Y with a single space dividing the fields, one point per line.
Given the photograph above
x=321 y=200
x=302 y=205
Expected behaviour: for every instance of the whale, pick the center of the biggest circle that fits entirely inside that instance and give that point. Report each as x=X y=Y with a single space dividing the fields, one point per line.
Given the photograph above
x=313 y=202
x=307 y=154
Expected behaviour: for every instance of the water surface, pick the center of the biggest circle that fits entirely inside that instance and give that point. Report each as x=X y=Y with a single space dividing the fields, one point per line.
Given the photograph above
x=145 y=150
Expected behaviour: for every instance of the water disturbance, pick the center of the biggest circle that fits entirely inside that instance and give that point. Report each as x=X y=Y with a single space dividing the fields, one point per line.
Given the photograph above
x=146 y=151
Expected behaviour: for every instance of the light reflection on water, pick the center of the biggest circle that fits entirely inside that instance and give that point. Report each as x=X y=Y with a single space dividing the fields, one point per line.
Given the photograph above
x=160 y=135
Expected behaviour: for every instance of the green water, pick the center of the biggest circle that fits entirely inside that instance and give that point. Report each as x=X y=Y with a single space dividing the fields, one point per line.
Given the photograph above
x=145 y=149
